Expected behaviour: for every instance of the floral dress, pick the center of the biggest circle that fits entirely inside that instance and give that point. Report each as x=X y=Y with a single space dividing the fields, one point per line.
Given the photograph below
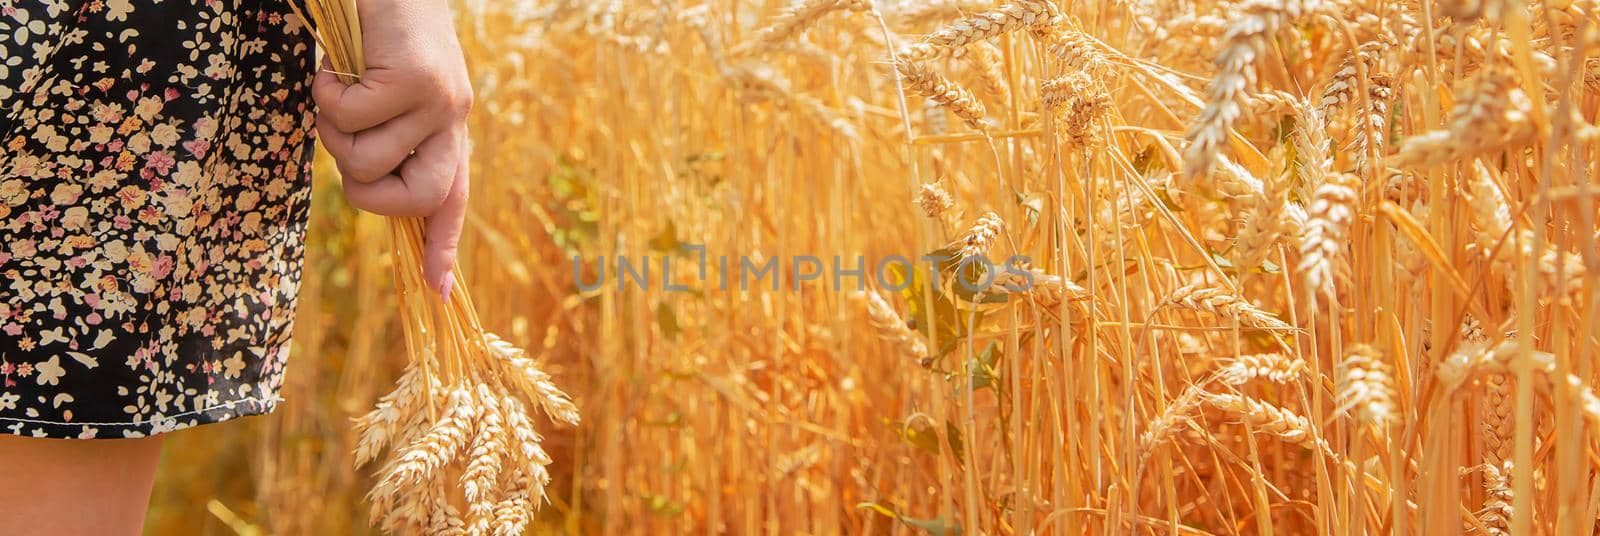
x=154 y=187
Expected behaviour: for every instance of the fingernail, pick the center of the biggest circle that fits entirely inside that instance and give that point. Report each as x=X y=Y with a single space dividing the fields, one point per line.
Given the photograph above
x=449 y=284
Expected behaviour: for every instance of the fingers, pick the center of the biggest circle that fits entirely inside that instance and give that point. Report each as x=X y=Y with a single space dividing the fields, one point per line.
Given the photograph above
x=442 y=233
x=422 y=185
x=359 y=106
x=371 y=154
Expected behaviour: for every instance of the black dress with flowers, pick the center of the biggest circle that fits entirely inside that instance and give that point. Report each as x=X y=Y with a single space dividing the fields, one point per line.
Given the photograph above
x=154 y=187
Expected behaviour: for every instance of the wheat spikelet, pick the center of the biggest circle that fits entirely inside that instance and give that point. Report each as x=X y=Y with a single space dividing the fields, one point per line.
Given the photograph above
x=1055 y=92
x=1491 y=215
x=979 y=237
x=376 y=429
x=1078 y=52
x=1473 y=359
x=526 y=373
x=528 y=446
x=1274 y=217
x=1493 y=117
x=1370 y=132
x=1497 y=421
x=511 y=513
x=1227 y=92
x=1274 y=367
x=1219 y=302
x=1273 y=103
x=1046 y=289
x=1269 y=419
x=1322 y=239
x=934 y=201
x=890 y=327
x=792 y=20
x=1007 y=18
x=482 y=472
x=1180 y=411
x=413 y=512
x=1498 y=498
x=983 y=62
x=948 y=94
x=1342 y=87
x=938 y=206
x=1365 y=385
x=419 y=461
x=443 y=519
x=1077 y=104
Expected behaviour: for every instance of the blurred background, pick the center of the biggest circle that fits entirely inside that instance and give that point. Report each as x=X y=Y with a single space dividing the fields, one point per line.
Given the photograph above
x=607 y=128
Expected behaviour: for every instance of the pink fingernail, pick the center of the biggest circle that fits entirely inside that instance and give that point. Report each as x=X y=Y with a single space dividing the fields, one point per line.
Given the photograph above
x=449 y=284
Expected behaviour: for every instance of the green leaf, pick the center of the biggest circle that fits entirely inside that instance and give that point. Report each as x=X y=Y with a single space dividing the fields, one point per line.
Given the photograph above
x=938 y=526
x=981 y=368
x=1032 y=205
x=921 y=434
x=662 y=505
x=1148 y=160
x=951 y=323
x=667 y=240
x=952 y=435
x=667 y=320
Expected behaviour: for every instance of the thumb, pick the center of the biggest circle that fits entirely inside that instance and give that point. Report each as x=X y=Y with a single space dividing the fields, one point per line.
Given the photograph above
x=442 y=232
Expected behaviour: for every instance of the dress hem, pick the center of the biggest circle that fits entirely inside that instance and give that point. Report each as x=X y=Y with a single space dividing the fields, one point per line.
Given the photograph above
x=227 y=411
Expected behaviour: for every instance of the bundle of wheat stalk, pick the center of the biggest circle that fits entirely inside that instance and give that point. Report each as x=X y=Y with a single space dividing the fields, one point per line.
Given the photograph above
x=464 y=457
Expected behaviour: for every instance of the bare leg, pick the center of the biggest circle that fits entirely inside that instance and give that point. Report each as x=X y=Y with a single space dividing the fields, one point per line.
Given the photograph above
x=67 y=487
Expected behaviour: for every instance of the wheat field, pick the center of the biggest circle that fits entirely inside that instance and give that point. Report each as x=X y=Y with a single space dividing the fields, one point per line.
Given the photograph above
x=1297 y=267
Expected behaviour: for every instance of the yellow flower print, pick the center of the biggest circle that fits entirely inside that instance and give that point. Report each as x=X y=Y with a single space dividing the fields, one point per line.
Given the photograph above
x=118 y=9
x=164 y=134
x=66 y=193
x=13 y=192
x=130 y=125
x=50 y=372
x=107 y=112
x=132 y=197
x=148 y=107
x=100 y=134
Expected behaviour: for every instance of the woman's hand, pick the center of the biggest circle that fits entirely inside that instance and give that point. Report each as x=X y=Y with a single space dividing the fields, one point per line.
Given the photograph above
x=400 y=134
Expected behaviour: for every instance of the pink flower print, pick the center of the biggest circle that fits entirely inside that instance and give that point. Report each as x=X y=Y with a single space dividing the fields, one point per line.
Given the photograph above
x=162 y=267
x=93 y=319
x=161 y=161
x=197 y=147
x=149 y=214
x=122 y=222
x=6 y=369
x=171 y=94
x=24 y=370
